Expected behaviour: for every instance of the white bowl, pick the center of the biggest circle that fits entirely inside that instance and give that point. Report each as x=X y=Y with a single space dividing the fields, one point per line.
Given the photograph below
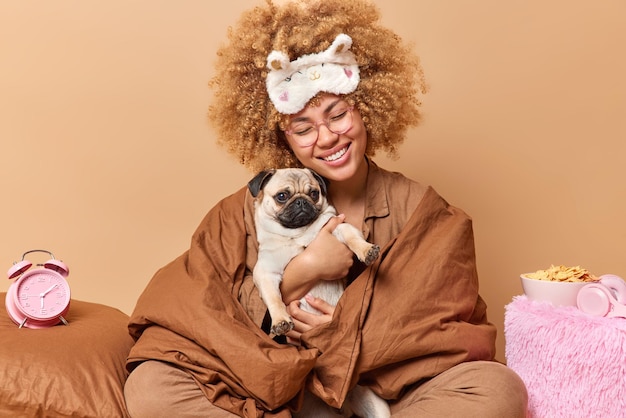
x=557 y=293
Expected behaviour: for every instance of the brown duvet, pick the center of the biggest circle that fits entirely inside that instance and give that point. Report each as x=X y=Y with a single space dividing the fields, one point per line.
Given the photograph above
x=412 y=314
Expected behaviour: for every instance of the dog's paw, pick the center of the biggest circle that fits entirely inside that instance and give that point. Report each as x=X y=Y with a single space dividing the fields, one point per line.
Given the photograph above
x=282 y=327
x=372 y=254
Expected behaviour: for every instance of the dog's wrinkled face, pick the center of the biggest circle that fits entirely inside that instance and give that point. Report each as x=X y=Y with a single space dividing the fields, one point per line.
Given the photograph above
x=293 y=197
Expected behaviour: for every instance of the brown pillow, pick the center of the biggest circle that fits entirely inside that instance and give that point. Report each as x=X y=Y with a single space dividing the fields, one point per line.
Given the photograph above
x=76 y=370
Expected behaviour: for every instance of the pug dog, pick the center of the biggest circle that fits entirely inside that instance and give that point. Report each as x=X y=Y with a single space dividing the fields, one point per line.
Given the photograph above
x=290 y=209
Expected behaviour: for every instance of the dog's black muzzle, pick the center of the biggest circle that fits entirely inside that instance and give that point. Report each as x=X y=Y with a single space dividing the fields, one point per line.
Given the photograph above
x=300 y=212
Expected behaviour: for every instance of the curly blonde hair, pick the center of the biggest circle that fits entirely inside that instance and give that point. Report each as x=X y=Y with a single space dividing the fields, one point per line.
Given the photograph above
x=246 y=121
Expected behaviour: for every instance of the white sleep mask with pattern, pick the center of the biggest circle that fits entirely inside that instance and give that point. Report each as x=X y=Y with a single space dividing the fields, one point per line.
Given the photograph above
x=291 y=84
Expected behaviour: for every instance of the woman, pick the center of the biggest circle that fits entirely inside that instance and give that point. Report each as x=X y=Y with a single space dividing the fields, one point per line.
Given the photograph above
x=321 y=84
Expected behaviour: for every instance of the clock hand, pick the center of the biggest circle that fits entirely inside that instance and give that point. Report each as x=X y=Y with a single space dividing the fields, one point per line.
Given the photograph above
x=43 y=294
x=48 y=291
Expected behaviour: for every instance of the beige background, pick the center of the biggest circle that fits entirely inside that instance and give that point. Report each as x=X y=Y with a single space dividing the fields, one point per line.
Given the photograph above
x=107 y=159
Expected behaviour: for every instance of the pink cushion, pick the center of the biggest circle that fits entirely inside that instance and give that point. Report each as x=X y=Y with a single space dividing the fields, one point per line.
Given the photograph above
x=76 y=370
x=573 y=364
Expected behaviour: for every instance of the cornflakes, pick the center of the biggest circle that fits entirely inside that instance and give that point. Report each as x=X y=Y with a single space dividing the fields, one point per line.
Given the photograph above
x=563 y=274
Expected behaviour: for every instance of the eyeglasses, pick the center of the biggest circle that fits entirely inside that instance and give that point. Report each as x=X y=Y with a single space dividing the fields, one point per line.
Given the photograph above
x=306 y=133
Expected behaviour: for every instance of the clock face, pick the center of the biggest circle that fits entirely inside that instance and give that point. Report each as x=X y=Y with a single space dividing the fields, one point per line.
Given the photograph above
x=42 y=294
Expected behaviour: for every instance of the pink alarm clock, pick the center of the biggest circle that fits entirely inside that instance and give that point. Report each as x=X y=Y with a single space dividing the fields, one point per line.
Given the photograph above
x=38 y=298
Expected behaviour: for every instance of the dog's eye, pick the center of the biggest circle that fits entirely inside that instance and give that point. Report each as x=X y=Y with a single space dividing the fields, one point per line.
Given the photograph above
x=314 y=194
x=282 y=197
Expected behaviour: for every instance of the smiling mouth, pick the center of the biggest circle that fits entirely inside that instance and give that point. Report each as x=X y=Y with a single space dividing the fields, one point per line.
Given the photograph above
x=337 y=155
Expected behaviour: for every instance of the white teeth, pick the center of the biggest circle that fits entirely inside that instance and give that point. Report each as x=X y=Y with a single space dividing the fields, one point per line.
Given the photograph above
x=336 y=155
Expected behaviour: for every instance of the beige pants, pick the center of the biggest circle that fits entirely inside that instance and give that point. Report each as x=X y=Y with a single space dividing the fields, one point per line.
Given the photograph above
x=475 y=389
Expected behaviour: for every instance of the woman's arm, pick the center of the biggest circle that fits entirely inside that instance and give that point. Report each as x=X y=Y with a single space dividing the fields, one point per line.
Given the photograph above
x=326 y=258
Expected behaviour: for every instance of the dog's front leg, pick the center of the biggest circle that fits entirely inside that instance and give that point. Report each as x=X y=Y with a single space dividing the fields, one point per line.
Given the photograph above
x=353 y=238
x=268 y=284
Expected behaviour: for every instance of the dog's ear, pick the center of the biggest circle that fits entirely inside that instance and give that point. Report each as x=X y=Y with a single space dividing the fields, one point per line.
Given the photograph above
x=258 y=182
x=321 y=180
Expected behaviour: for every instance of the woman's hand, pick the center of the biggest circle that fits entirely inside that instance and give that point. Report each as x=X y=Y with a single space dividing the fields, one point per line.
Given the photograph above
x=326 y=258
x=304 y=321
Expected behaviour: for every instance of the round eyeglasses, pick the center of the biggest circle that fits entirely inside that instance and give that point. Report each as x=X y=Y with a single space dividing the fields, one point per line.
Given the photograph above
x=338 y=122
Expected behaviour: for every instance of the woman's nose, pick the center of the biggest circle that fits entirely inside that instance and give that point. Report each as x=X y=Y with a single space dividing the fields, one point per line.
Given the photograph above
x=325 y=136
